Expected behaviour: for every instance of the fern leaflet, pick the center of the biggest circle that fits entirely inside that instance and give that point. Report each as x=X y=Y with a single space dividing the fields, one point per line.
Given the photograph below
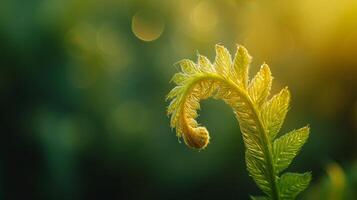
x=259 y=119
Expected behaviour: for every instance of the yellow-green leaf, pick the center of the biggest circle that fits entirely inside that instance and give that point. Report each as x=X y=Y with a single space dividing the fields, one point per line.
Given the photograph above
x=288 y=146
x=274 y=112
x=259 y=87
x=291 y=184
x=241 y=66
x=188 y=67
x=223 y=60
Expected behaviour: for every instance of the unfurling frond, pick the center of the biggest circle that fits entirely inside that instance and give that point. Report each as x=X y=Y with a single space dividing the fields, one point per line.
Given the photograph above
x=259 y=119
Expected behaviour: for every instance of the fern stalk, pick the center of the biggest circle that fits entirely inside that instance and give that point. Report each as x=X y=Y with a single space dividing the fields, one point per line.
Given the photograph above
x=259 y=119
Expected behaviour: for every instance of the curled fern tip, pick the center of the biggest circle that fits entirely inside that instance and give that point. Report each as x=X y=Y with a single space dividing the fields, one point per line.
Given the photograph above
x=259 y=117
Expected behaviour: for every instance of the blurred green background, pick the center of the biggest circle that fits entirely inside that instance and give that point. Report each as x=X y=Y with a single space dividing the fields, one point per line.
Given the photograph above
x=83 y=85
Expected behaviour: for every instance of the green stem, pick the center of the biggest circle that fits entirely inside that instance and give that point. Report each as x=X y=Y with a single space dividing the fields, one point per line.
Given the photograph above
x=264 y=137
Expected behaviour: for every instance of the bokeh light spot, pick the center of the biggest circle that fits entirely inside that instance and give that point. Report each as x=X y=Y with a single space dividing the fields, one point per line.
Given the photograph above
x=204 y=16
x=147 y=25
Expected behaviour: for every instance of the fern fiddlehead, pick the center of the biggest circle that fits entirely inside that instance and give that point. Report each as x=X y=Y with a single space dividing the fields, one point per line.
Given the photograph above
x=259 y=119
